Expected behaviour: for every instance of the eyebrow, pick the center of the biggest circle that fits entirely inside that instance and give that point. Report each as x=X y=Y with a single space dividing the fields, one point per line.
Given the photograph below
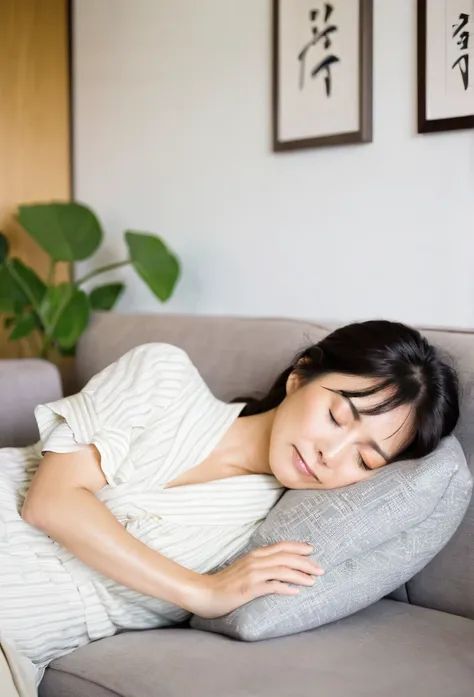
x=356 y=414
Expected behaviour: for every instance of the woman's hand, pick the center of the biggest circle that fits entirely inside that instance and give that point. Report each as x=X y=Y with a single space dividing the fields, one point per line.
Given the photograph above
x=264 y=571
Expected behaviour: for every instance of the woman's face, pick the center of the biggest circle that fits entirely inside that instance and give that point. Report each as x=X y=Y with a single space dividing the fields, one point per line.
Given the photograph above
x=320 y=440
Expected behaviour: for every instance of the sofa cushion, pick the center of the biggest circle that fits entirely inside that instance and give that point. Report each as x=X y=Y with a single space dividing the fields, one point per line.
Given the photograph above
x=388 y=650
x=370 y=538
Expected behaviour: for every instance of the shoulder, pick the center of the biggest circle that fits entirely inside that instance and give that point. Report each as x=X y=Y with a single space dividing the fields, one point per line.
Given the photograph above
x=141 y=385
x=158 y=354
x=151 y=357
x=147 y=366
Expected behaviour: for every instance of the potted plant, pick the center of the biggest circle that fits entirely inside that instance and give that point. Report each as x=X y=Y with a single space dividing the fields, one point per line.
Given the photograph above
x=58 y=313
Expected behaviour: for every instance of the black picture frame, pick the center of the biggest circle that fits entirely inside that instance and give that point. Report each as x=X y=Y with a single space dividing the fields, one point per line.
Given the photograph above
x=364 y=133
x=425 y=124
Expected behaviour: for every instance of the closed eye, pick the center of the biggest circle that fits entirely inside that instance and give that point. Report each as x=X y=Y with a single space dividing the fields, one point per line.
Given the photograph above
x=360 y=461
x=362 y=464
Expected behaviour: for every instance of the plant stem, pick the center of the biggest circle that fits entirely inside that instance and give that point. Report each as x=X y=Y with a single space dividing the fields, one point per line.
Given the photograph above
x=102 y=269
x=36 y=345
x=52 y=269
x=49 y=331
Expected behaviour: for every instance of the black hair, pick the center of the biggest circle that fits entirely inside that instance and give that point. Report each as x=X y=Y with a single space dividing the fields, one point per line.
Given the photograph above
x=397 y=357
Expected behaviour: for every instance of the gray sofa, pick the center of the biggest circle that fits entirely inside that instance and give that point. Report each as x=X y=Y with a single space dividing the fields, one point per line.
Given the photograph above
x=418 y=641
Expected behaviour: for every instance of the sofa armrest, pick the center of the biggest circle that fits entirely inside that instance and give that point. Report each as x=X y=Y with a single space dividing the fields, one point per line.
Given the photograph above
x=24 y=384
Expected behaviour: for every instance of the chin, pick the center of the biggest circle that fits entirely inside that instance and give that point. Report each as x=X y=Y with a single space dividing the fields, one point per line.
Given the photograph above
x=283 y=476
x=307 y=485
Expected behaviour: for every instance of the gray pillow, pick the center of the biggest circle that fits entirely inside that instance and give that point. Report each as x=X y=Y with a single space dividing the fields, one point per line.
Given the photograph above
x=370 y=538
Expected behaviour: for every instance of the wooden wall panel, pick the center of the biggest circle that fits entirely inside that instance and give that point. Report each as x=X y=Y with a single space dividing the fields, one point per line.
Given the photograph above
x=34 y=120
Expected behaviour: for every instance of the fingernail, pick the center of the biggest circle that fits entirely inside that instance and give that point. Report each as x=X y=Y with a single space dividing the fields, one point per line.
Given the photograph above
x=309 y=546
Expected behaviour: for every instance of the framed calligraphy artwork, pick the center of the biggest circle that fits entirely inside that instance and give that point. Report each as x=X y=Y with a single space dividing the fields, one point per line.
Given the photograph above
x=445 y=65
x=322 y=73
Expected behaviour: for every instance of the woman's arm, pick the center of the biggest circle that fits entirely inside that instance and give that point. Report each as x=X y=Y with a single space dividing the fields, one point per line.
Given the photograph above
x=62 y=503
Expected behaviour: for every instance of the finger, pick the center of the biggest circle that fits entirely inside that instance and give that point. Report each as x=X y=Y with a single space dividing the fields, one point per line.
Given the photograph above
x=289 y=547
x=286 y=575
x=293 y=561
x=275 y=588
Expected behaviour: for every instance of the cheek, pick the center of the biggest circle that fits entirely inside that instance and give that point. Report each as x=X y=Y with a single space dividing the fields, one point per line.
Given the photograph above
x=301 y=417
x=308 y=410
x=350 y=473
x=313 y=419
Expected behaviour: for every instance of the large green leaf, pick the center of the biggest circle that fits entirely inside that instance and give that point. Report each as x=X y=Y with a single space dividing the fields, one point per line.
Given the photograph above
x=31 y=284
x=3 y=248
x=55 y=301
x=65 y=310
x=12 y=298
x=23 y=325
x=105 y=297
x=154 y=262
x=19 y=286
x=73 y=320
x=66 y=231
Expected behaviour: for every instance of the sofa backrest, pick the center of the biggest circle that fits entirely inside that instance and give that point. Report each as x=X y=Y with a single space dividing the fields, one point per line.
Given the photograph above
x=241 y=357
x=447 y=583
x=235 y=356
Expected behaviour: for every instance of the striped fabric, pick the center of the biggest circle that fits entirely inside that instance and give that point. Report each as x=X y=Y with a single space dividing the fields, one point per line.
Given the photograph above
x=152 y=417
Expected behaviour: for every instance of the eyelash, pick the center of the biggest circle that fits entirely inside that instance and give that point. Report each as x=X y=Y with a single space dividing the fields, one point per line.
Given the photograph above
x=360 y=461
x=362 y=464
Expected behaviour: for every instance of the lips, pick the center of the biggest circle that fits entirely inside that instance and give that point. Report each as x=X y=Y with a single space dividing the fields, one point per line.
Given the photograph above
x=302 y=466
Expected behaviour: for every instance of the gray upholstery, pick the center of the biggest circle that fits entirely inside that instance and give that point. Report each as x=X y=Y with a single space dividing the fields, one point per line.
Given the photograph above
x=390 y=649
x=23 y=384
x=235 y=356
x=447 y=583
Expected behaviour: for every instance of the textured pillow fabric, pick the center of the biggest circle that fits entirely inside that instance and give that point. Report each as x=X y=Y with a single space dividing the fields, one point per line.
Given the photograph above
x=370 y=538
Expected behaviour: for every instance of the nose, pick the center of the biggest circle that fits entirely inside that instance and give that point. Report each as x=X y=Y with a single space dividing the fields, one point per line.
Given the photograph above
x=332 y=451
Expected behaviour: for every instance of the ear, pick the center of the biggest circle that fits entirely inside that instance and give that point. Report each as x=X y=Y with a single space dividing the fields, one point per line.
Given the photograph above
x=295 y=379
x=293 y=382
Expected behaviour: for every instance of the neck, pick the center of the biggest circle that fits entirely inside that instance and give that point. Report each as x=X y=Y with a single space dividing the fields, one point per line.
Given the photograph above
x=245 y=447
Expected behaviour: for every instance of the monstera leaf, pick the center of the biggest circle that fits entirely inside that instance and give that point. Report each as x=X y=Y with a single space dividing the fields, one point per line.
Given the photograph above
x=20 y=286
x=65 y=310
x=23 y=325
x=66 y=231
x=73 y=320
x=154 y=262
x=105 y=297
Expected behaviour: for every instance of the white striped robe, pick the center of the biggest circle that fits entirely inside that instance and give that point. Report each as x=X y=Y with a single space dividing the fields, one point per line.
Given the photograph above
x=152 y=417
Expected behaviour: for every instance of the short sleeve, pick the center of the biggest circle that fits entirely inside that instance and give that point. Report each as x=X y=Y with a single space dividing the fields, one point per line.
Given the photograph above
x=61 y=440
x=116 y=403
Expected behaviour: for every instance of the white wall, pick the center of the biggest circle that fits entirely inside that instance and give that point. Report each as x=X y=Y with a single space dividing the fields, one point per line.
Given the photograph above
x=172 y=136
